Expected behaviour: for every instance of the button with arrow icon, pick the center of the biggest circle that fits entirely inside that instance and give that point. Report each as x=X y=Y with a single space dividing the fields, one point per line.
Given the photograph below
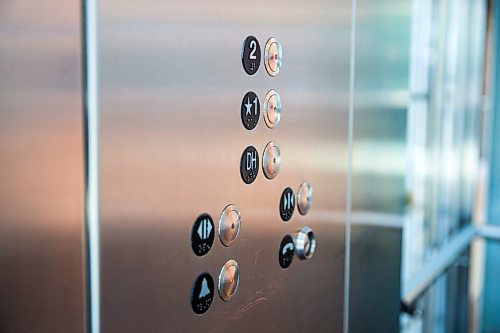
x=287 y=204
x=202 y=235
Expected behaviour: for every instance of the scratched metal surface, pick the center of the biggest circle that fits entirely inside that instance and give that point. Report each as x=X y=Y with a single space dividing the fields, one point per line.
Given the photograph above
x=171 y=141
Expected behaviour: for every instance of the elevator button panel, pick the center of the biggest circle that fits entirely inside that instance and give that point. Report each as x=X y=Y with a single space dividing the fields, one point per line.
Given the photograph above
x=202 y=235
x=271 y=160
x=249 y=164
x=250 y=55
x=202 y=293
x=228 y=280
x=250 y=110
x=303 y=243
x=229 y=224
x=304 y=198
x=286 y=251
x=273 y=56
x=287 y=204
x=272 y=109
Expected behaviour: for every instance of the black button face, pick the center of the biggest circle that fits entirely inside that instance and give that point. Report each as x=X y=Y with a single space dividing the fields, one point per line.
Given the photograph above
x=202 y=294
x=202 y=235
x=287 y=204
x=287 y=249
x=250 y=55
x=250 y=110
x=249 y=164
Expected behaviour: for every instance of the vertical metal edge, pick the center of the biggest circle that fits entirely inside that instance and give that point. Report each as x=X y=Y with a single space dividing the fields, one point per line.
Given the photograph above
x=91 y=133
x=347 y=258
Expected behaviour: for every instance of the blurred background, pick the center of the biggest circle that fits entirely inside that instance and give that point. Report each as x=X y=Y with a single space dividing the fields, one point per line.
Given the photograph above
x=417 y=82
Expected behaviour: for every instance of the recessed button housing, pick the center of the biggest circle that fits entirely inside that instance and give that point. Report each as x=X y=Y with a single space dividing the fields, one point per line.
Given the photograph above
x=228 y=280
x=273 y=56
x=272 y=109
x=305 y=243
x=229 y=224
x=271 y=160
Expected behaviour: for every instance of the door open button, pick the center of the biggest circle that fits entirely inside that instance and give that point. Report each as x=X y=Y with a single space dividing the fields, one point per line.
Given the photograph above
x=229 y=224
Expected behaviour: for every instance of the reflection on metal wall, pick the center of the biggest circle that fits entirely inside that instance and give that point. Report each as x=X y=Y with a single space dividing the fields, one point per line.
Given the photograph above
x=379 y=152
x=41 y=167
x=202 y=155
x=445 y=106
x=171 y=139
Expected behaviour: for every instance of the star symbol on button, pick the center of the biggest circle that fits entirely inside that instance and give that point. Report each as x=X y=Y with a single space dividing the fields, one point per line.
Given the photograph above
x=248 y=105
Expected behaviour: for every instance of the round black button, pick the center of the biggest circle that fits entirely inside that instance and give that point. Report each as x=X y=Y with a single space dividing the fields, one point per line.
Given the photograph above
x=249 y=164
x=250 y=110
x=287 y=249
x=287 y=204
x=202 y=235
x=202 y=294
x=250 y=55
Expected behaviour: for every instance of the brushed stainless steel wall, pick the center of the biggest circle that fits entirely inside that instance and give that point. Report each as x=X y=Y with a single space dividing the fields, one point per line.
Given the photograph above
x=41 y=167
x=171 y=140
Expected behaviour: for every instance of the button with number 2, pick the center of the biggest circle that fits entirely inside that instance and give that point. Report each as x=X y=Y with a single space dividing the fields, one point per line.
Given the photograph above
x=250 y=55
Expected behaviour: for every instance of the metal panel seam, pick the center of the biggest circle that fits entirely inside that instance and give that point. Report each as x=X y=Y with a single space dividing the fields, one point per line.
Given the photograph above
x=349 y=169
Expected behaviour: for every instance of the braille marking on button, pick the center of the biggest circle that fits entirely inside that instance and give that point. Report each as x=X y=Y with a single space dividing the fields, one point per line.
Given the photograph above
x=202 y=293
x=202 y=234
x=250 y=55
x=304 y=198
x=286 y=252
x=228 y=280
x=271 y=160
x=250 y=110
x=229 y=224
x=249 y=165
x=272 y=109
x=287 y=204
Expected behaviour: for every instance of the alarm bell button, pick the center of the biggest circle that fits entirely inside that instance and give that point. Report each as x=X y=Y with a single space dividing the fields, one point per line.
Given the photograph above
x=228 y=280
